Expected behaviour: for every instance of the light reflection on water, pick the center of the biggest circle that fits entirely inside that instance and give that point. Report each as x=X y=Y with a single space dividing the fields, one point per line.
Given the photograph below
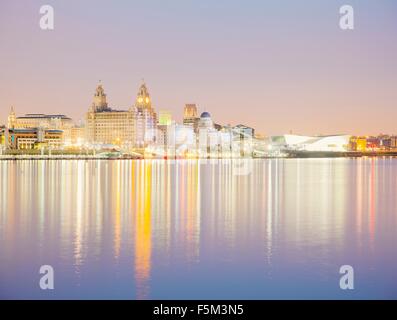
x=198 y=229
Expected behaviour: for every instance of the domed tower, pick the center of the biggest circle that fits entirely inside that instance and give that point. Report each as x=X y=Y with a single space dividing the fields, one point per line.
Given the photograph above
x=205 y=121
x=143 y=98
x=145 y=118
x=99 y=103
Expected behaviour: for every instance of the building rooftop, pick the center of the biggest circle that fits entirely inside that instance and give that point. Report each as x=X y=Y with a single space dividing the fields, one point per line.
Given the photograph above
x=54 y=131
x=109 y=110
x=34 y=130
x=43 y=116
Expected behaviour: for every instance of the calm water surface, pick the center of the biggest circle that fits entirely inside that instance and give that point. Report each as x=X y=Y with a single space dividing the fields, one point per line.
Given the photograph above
x=257 y=229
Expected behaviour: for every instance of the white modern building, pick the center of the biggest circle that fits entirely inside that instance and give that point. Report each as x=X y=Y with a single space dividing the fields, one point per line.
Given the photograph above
x=335 y=143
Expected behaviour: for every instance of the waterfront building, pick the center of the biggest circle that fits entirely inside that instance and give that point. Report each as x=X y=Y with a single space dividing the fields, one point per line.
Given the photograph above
x=205 y=122
x=41 y=121
x=358 y=144
x=336 y=143
x=393 y=142
x=243 y=140
x=361 y=144
x=373 y=143
x=105 y=125
x=243 y=131
x=384 y=142
x=12 y=118
x=190 y=116
x=226 y=141
x=260 y=146
x=176 y=140
x=77 y=135
x=28 y=139
x=165 y=117
x=3 y=137
x=145 y=118
x=208 y=138
x=163 y=132
x=218 y=127
x=185 y=140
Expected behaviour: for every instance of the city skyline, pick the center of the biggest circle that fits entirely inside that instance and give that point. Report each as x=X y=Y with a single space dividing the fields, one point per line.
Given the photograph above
x=177 y=118
x=308 y=77
x=221 y=152
x=140 y=131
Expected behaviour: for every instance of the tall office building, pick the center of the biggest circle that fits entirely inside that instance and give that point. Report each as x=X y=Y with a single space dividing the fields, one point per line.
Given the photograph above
x=164 y=128
x=165 y=117
x=105 y=125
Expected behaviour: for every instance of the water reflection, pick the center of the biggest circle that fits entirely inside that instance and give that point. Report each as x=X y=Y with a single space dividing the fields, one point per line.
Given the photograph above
x=143 y=245
x=198 y=228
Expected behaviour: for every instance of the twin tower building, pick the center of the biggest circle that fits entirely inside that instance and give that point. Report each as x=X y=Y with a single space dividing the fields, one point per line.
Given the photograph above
x=134 y=127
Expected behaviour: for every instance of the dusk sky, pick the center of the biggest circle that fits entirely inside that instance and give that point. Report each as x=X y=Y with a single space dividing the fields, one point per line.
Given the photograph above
x=278 y=66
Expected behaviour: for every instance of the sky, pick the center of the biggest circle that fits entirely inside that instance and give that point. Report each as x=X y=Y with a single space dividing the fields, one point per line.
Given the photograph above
x=279 y=66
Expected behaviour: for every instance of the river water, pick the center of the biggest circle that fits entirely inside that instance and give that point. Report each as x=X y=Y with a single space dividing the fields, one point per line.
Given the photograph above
x=199 y=229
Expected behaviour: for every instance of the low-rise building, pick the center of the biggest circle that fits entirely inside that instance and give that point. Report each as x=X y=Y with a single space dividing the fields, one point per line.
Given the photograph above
x=41 y=121
x=29 y=139
x=77 y=135
x=336 y=143
x=393 y=142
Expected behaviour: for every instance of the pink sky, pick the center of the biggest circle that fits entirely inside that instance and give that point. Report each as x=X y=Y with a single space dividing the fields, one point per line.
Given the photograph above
x=276 y=67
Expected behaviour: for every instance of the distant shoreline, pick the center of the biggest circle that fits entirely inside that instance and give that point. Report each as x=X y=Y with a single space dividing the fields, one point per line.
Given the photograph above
x=346 y=154
x=290 y=155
